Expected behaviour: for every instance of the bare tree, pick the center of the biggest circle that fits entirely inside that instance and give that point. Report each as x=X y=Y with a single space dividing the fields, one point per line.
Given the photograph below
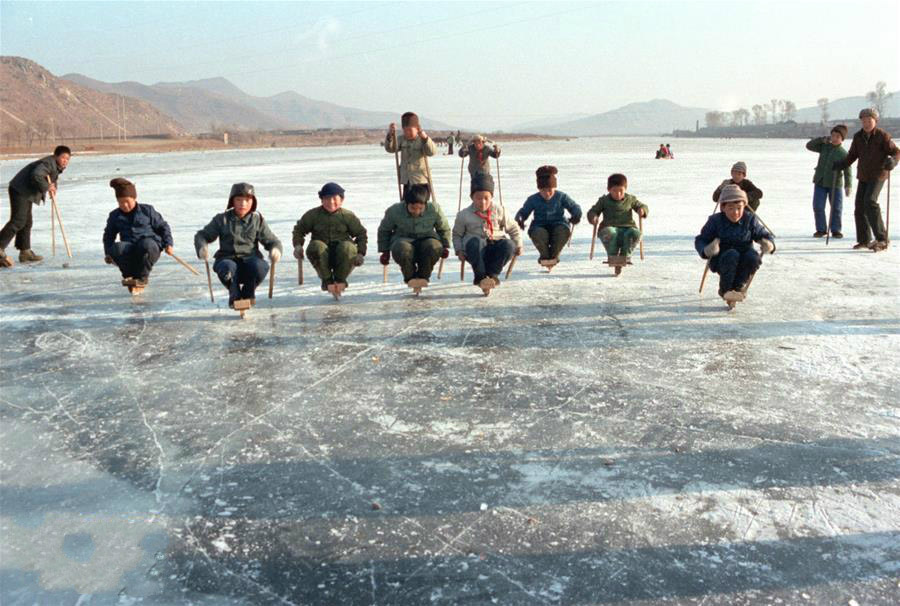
x=789 y=111
x=759 y=114
x=714 y=119
x=774 y=110
x=823 y=106
x=878 y=97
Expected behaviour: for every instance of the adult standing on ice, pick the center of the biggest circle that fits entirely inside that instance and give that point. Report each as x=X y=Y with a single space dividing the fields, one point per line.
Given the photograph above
x=240 y=231
x=30 y=186
x=413 y=147
x=484 y=235
x=337 y=239
x=739 y=178
x=549 y=231
x=828 y=182
x=727 y=241
x=142 y=234
x=877 y=155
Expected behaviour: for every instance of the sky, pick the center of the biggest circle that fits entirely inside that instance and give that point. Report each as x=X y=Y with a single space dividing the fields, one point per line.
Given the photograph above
x=463 y=62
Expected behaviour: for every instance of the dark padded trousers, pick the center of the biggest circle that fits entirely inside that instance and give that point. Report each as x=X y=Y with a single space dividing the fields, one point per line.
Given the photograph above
x=19 y=224
x=416 y=258
x=734 y=268
x=867 y=212
x=487 y=257
x=333 y=261
x=136 y=259
x=241 y=275
x=549 y=242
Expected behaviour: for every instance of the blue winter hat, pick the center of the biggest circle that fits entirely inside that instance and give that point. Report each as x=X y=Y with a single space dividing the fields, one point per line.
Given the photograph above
x=331 y=189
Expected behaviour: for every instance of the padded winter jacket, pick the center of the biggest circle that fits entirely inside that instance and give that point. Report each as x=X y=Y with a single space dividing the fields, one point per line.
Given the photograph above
x=754 y=194
x=412 y=156
x=469 y=225
x=828 y=155
x=740 y=235
x=31 y=182
x=398 y=223
x=483 y=165
x=237 y=237
x=871 y=150
x=548 y=213
x=617 y=213
x=142 y=222
x=339 y=226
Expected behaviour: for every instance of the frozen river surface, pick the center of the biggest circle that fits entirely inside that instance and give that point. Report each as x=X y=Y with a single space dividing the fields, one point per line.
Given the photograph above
x=573 y=439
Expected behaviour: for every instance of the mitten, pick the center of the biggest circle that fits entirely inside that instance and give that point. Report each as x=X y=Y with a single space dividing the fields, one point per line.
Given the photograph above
x=711 y=249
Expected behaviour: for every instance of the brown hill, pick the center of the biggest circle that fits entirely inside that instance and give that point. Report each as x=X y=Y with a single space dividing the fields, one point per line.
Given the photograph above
x=35 y=105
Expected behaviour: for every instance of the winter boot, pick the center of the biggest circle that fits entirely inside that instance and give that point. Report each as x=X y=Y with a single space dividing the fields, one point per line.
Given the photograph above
x=4 y=260
x=819 y=234
x=878 y=245
x=28 y=256
x=837 y=235
x=862 y=245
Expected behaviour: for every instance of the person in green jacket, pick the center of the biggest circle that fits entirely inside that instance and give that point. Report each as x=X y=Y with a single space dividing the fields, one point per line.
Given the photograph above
x=617 y=231
x=337 y=239
x=240 y=230
x=824 y=179
x=416 y=233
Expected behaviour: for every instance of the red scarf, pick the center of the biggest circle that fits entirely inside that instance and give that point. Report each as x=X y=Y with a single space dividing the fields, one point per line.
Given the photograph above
x=487 y=219
x=481 y=156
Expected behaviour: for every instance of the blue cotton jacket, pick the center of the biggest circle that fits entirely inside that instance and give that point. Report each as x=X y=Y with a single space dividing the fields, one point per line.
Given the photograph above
x=142 y=222
x=740 y=235
x=548 y=213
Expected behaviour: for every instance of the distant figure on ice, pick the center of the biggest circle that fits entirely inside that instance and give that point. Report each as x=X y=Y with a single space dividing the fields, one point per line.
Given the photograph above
x=828 y=182
x=727 y=242
x=479 y=155
x=739 y=178
x=416 y=233
x=549 y=231
x=450 y=141
x=30 y=186
x=337 y=242
x=669 y=153
x=142 y=233
x=877 y=156
x=662 y=153
x=617 y=231
x=413 y=146
x=240 y=230
x=484 y=235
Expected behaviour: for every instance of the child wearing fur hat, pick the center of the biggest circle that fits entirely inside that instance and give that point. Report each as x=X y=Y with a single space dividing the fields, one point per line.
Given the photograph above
x=416 y=233
x=549 y=230
x=413 y=146
x=337 y=242
x=617 y=231
x=142 y=234
x=484 y=235
x=240 y=230
x=877 y=155
x=828 y=182
x=727 y=242
x=739 y=178
x=479 y=154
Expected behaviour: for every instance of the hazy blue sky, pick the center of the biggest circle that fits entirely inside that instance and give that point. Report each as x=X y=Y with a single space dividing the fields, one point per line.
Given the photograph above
x=507 y=62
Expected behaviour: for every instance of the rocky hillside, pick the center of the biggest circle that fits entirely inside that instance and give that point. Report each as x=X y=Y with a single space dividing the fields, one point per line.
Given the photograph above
x=35 y=105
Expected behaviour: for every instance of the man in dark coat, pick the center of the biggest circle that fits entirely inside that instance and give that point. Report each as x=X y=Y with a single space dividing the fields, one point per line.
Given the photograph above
x=877 y=155
x=142 y=234
x=30 y=186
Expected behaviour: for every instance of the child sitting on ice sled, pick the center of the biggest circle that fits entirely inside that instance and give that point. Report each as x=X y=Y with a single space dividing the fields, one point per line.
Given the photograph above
x=617 y=231
x=727 y=241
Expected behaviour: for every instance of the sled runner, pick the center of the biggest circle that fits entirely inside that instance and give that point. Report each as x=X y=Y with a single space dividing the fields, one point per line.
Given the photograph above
x=417 y=284
x=618 y=262
x=549 y=264
x=242 y=306
x=133 y=286
x=486 y=285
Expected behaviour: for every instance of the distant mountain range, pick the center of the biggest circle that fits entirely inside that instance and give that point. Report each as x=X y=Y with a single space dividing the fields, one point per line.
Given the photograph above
x=202 y=104
x=36 y=105
x=654 y=117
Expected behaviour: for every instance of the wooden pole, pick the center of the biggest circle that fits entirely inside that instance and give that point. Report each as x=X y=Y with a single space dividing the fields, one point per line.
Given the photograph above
x=384 y=274
x=397 y=163
x=462 y=270
x=272 y=279
x=511 y=264
x=440 y=268
x=703 y=279
x=887 y=223
x=594 y=239
x=209 y=281
x=299 y=272
x=641 y=228
x=55 y=210
x=188 y=267
x=52 y=232
x=462 y=161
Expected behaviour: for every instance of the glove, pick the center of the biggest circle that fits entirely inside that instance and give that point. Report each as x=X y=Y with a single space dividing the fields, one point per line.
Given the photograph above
x=108 y=260
x=274 y=255
x=575 y=221
x=358 y=260
x=890 y=163
x=385 y=258
x=461 y=255
x=766 y=246
x=298 y=252
x=203 y=253
x=520 y=222
x=592 y=219
x=711 y=249
x=445 y=253
x=496 y=152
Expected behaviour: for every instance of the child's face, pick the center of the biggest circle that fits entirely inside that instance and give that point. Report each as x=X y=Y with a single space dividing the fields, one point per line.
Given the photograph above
x=547 y=192
x=410 y=132
x=737 y=176
x=617 y=192
x=242 y=205
x=836 y=139
x=332 y=203
x=482 y=200
x=479 y=144
x=416 y=209
x=868 y=123
x=733 y=210
x=126 y=203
